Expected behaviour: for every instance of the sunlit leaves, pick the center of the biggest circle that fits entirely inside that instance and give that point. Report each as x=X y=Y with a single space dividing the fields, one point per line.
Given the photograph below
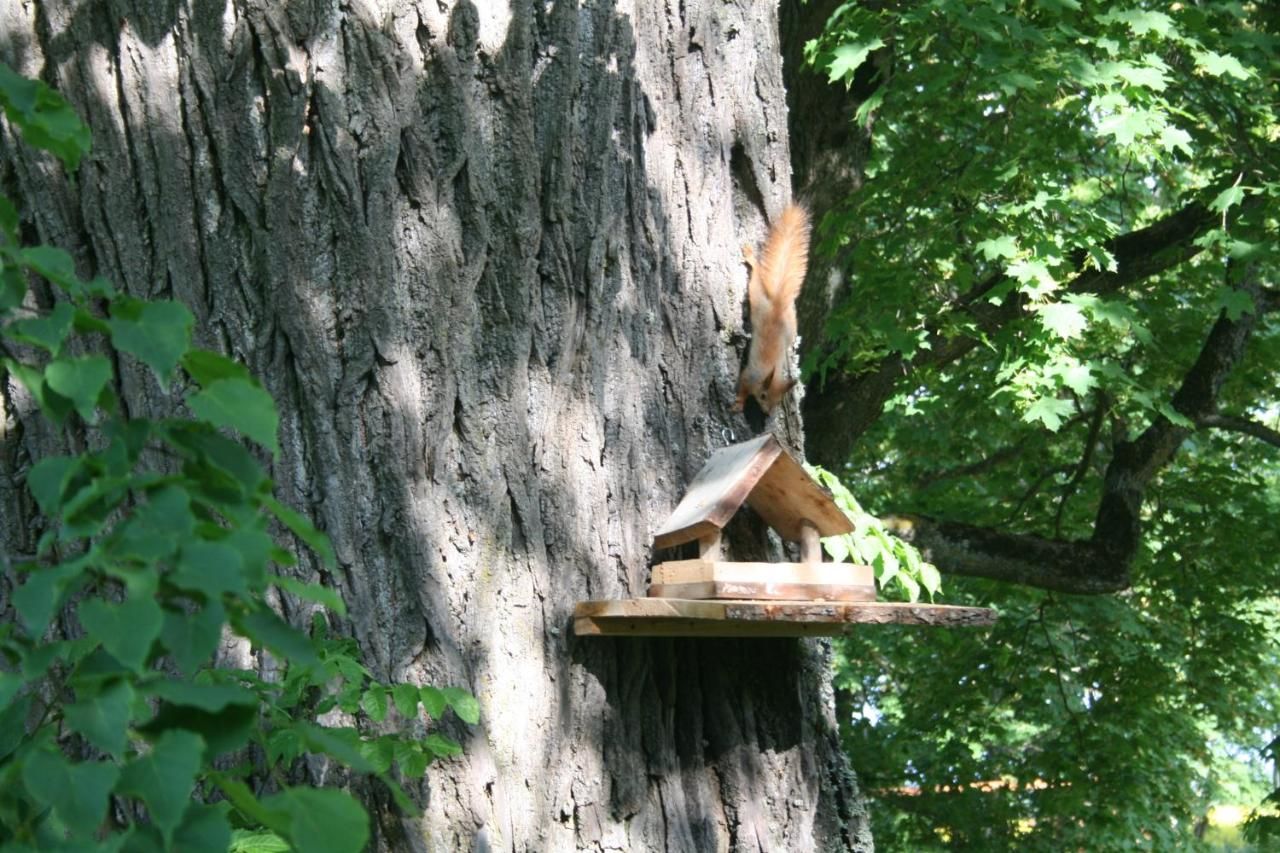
x=1062 y=319
x=1218 y=64
x=1227 y=198
x=1018 y=156
x=848 y=57
x=896 y=563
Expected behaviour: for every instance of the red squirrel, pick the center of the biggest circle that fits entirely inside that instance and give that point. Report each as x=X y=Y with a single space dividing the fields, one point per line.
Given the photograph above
x=771 y=293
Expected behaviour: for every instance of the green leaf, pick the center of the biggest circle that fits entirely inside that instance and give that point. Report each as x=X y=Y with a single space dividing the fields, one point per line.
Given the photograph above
x=13 y=288
x=1218 y=64
x=157 y=333
x=192 y=638
x=155 y=529
x=322 y=819
x=224 y=468
x=125 y=630
x=342 y=744
x=1062 y=319
x=239 y=795
x=930 y=578
x=1076 y=376
x=434 y=701
x=55 y=406
x=48 y=332
x=103 y=718
x=46 y=120
x=52 y=263
x=266 y=629
x=76 y=792
x=463 y=704
x=240 y=405
x=80 y=380
x=164 y=778
x=48 y=481
x=10 y=684
x=303 y=529
x=223 y=731
x=1234 y=303
x=206 y=697
x=999 y=247
x=1174 y=416
x=1227 y=198
x=13 y=725
x=257 y=841
x=374 y=703
x=312 y=592
x=441 y=746
x=406 y=698
x=211 y=569
x=9 y=219
x=41 y=595
x=847 y=58
x=1141 y=21
x=1049 y=411
x=1034 y=277
x=208 y=367
x=411 y=758
x=204 y=829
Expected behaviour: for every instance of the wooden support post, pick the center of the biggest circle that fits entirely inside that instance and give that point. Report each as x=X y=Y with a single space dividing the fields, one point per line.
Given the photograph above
x=709 y=547
x=810 y=547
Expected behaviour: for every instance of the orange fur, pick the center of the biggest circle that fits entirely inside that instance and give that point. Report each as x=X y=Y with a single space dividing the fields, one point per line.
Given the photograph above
x=771 y=294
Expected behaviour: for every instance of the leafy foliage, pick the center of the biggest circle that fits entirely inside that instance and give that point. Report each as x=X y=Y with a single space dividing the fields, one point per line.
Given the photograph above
x=898 y=565
x=1012 y=144
x=144 y=566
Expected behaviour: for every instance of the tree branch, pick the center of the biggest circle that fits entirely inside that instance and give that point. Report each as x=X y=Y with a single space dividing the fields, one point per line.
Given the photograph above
x=840 y=411
x=1101 y=563
x=1235 y=423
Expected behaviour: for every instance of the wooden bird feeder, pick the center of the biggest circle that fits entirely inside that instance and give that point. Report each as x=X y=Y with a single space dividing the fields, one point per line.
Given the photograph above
x=710 y=597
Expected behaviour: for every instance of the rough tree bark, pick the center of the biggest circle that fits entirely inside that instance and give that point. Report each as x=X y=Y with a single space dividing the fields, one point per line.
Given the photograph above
x=486 y=257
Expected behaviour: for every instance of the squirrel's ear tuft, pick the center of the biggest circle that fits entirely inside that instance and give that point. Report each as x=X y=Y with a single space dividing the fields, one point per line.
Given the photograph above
x=768 y=379
x=791 y=383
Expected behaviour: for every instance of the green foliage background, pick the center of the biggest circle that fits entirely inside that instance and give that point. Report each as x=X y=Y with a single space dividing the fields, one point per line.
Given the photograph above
x=117 y=732
x=1022 y=136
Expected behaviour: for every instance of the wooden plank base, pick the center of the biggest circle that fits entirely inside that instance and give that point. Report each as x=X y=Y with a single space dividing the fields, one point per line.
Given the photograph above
x=673 y=617
x=702 y=571
x=738 y=591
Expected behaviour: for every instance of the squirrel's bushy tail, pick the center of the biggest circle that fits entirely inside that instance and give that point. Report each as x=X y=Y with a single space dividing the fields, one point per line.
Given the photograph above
x=786 y=256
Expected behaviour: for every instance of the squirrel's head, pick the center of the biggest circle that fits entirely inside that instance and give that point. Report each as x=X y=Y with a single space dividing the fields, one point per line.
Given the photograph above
x=772 y=390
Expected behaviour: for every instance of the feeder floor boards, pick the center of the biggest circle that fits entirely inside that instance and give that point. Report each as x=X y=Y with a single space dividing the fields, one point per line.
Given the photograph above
x=674 y=617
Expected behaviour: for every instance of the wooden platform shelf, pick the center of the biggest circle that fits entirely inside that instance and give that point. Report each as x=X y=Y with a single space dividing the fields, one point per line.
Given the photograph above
x=714 y=597
x=673 y=617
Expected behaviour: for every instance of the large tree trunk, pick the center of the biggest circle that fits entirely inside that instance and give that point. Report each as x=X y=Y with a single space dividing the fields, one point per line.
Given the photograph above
x=486 y=257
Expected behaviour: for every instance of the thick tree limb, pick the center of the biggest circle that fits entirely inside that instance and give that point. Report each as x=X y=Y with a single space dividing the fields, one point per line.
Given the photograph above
x=1101 y=563
x=839 y=412
x=1248 y=426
